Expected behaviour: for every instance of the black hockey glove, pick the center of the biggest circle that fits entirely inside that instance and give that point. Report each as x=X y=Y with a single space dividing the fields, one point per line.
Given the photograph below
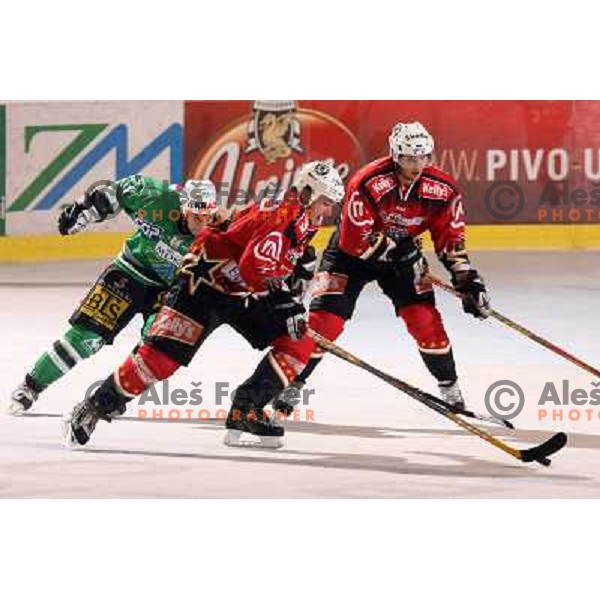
x=94 y=207
x=402 y=252
x=289 y=311
x=299 y=280
x=475 y=298
x=67 y=220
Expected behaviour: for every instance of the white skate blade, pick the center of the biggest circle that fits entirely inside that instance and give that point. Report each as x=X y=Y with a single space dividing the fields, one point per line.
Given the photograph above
x=233 y=438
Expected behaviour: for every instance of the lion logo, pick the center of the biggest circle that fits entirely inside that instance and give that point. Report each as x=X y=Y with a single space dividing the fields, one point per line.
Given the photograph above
x=274 y=129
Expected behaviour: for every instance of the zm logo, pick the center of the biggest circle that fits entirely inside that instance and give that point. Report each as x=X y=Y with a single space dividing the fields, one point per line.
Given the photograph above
x=48 y=188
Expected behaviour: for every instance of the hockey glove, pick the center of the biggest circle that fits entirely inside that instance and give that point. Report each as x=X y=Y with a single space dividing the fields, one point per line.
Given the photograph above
x=68 y=218
x=289 y=311
x=94 y=207
x=300 y=279
x=475 y=298
x=402 y=252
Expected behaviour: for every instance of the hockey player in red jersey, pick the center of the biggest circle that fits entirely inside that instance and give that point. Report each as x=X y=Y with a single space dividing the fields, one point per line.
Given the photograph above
x=388 y=204
x=246 y=276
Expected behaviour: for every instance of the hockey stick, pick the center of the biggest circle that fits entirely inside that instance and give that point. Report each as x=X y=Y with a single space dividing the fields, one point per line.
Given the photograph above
x=526 y=332
x=463 y=411
x=399 y=384
x=534 y=454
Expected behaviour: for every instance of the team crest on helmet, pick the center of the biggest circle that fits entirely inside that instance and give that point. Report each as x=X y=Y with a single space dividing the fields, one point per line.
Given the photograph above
x=274 y=129
x=322 y=169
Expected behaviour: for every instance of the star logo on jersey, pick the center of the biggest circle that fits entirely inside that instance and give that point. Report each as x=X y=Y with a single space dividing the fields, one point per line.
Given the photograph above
x=199 y=268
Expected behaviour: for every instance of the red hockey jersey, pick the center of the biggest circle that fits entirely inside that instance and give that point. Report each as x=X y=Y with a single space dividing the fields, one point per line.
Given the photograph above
x=375 y=204
x=262 y=245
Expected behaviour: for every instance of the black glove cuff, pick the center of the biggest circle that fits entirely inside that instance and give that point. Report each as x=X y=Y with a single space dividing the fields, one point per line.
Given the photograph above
x=467 y=282
x=99 y=201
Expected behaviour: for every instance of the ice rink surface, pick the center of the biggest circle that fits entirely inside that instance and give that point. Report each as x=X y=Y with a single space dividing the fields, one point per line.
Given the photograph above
x=366 y=439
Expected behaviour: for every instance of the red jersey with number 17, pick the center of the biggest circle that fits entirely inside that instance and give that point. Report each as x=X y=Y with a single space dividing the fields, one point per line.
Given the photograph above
x=376 y=203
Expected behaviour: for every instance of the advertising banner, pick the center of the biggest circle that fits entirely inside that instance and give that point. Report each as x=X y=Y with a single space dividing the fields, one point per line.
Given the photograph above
x=516 y=161
x=56 y=150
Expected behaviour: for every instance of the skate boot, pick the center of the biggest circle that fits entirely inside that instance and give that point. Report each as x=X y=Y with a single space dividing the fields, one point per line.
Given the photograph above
x=105 y=403
x=251 y=420
x=452 y=395
x=289 y=399
x=23 y=398
x=80 y=424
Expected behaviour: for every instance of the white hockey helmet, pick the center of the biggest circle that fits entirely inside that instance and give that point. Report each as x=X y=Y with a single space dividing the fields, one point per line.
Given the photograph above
x=410 y=139
x=197 y=196
x=322 y=178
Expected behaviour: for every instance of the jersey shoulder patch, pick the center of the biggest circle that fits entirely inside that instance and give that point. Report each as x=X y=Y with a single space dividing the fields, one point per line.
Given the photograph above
x=377 y=178
x=436 y=184
x=379 y=185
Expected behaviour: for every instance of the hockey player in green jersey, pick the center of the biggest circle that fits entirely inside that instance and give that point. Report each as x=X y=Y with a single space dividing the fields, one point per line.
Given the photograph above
x=167 y=218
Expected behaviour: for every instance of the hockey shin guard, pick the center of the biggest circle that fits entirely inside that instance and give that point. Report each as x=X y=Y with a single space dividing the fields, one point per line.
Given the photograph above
x=77 y=344
x=328 y=325
x=265 y=384
x=424 y=323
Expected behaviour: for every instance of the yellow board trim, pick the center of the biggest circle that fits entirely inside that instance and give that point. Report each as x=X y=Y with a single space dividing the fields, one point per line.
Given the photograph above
x=85 y=246
x=41 y=248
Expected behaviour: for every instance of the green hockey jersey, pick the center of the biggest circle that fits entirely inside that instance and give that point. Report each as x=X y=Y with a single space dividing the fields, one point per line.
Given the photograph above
x=153 y=253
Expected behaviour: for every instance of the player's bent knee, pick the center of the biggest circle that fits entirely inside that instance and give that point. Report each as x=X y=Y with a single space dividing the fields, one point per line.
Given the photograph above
x=160 y=364
x=289 y=357
x=424 y=323
x=327 y=324
x=292 y=356
x=144 y=367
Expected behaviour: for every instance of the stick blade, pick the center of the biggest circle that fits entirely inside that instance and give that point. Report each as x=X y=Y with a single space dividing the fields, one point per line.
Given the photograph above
x=540 y=453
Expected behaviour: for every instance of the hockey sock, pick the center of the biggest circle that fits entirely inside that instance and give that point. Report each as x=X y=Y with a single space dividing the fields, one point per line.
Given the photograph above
x=144 y=367
x=441 y=366
x=77 y=344
x=313 y=363
x=329 y=326
x=265 y=384
x=424 y=323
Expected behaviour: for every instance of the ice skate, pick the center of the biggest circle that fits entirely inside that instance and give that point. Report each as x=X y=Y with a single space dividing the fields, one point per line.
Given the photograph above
x=105 y=403
x=452 y=395
x=289 y=398
x=80 y=424
x=22 y=399
x=251 y=427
